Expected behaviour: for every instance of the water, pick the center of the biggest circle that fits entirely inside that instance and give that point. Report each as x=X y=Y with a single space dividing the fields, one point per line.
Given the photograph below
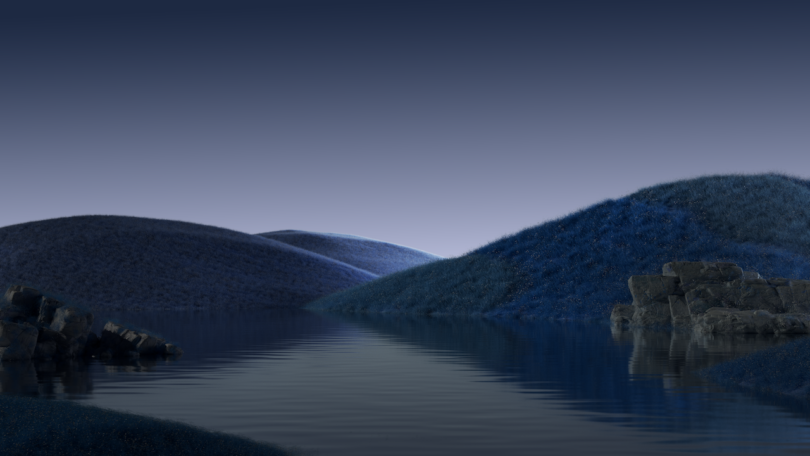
x=371 y=385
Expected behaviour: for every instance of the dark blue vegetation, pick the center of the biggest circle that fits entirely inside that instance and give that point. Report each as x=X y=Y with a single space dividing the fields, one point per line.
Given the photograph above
x=107 y=262
x=781 y=370
x=33 y=427
x=577 y=267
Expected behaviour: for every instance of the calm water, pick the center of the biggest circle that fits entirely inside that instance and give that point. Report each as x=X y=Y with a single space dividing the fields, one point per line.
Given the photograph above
x=349 y=385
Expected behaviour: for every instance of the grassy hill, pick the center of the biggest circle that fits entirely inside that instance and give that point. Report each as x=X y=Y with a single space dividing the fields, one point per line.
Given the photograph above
x=577 y=266
x=115 y=262
x=377 y=257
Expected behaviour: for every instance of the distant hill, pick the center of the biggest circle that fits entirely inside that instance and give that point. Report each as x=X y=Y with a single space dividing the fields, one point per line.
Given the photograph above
x=577 y=266
x=377 y=257
x=117 y=262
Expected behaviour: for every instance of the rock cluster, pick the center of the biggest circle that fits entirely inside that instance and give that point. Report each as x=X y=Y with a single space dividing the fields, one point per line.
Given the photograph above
x=41 y=327
x=716 y=297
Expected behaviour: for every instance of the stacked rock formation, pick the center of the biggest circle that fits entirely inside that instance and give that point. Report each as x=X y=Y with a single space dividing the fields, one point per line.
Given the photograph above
x=716 y=297
x=40 y=327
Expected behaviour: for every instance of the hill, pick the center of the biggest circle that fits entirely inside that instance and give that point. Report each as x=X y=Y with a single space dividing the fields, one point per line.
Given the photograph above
x=116 y=262
x=377 y=257
x=576 y=267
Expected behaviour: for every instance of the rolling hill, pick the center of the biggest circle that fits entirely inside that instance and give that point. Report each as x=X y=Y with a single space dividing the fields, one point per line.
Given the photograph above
x=117 y=262
x=576 y=267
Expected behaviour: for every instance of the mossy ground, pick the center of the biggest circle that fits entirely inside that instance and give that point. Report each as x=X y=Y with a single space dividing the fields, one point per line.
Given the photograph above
x=40 y=427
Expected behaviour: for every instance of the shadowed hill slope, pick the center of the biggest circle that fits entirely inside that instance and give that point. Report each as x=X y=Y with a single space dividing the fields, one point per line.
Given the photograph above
x=577 y=266
x=116 y=262
x=376 y=257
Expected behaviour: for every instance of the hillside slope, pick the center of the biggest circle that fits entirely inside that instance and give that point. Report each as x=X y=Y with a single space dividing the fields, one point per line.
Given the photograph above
x=577 y=266
x=377 y=257
x=115 y=262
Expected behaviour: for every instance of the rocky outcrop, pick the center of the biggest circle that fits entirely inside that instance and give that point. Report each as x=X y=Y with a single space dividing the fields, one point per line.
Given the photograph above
x=41 y=327
x=716 y=297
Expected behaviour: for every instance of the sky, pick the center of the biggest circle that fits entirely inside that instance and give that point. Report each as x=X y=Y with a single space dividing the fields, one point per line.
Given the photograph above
x=439 y=125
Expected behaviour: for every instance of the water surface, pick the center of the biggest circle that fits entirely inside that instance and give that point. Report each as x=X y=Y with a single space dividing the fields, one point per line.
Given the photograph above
x=370 y=385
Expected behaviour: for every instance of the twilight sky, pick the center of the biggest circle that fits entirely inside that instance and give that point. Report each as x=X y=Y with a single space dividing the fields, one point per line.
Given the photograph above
x=439 y=125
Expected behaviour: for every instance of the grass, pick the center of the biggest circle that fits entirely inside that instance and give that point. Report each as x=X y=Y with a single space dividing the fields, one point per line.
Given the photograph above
x=115 y=262
x=781 y=370
x=472 y=284
x=576 y=267
x=39 y=427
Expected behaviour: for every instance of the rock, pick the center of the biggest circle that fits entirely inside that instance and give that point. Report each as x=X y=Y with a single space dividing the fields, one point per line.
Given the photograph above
x=795 y=296
x=734 y=321
x=37 y=326
x=24 y=297
x=72 y=321
x=47 y=309
x=621 y=314
x=650 y=302
x=692 y=273
x=679 y=310
x=760 y=296
x=17 y=340
x=171 y=350
x=717 y=297
x=120 y=339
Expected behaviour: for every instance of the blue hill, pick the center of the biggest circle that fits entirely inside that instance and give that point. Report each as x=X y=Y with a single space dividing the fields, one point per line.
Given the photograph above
x=377 y=257
x=576 y=267
x=116 y=262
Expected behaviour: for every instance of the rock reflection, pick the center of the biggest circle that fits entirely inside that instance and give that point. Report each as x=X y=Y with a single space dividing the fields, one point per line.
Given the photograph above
x=71 y=377
x=676 y=355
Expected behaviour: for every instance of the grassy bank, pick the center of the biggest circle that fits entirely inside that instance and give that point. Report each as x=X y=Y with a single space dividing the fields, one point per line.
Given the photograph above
x=41 y=427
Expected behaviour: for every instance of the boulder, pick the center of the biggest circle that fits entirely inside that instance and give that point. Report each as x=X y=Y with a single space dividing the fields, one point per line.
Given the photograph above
x=650 y=302
x=17 y=340
x=24 y=297
x=734 y=321
x=621 y=314
x=47 y=309
x=37 y=326
x=120 y=339
x=716 y=297
x=679 y=310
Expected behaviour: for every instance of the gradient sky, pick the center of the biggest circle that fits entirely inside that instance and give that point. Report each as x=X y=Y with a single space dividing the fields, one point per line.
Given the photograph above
x=438 y=125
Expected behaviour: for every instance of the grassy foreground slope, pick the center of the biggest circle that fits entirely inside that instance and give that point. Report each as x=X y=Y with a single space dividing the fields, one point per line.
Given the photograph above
x=32 y=426
x=577 y=266
x=781 y=370
x=116 y=262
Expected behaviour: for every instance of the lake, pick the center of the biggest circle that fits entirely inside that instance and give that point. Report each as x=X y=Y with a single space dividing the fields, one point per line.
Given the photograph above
x=370 y=385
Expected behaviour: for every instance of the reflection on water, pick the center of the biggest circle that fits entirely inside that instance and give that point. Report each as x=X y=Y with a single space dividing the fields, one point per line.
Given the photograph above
x=367 y=385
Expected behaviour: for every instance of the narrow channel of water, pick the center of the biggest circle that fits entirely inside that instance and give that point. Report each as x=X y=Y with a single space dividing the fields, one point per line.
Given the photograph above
x=371 y=385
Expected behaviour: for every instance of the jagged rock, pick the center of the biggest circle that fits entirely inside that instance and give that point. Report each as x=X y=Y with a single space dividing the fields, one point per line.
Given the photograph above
x=717 y=297
x=650 y=302
x=621 y=314
x=759 y=295
x=37 y=326
x=171 y=350
x=47 y=309
x=17 y=340
x=24 y=297
x=679 y=310
x=729 y=320
x=693 y=273
x=121 y=339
